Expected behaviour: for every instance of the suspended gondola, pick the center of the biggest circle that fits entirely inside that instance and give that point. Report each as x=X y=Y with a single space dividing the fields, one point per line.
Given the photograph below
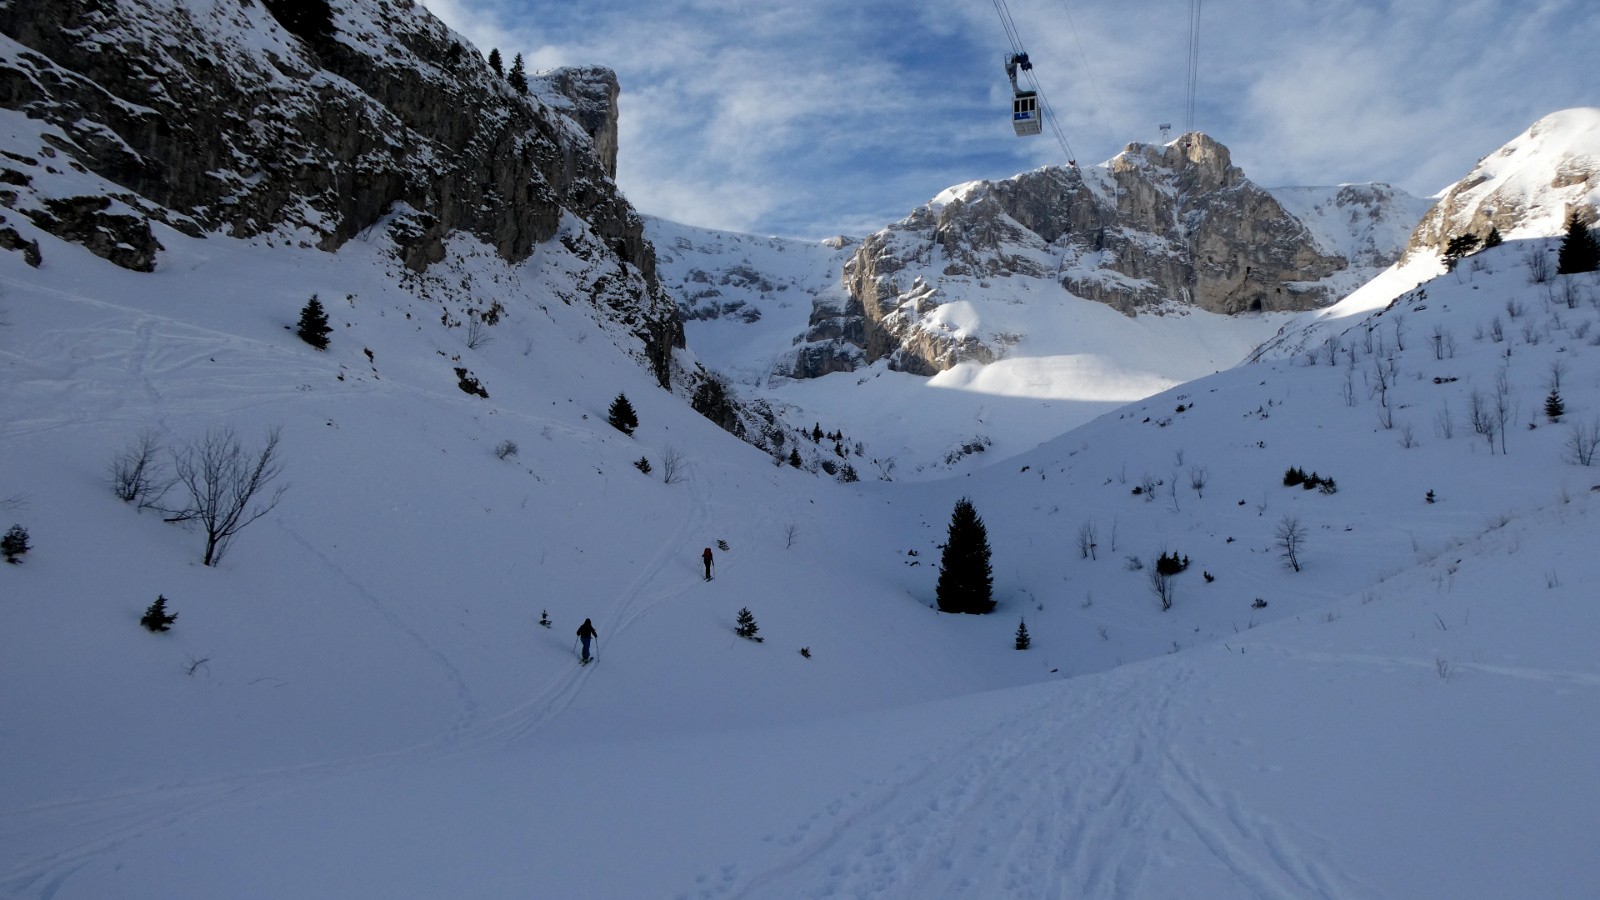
x=1025 y=117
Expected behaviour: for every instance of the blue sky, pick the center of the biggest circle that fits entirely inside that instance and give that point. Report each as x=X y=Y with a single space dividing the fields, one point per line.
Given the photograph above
x=806 y=119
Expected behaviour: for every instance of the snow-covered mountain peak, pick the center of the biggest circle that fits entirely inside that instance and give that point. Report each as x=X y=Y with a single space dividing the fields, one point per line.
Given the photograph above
x=1527 y=188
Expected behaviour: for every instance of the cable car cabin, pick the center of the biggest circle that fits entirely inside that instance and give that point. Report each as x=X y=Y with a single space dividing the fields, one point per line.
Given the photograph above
x=1025 y=113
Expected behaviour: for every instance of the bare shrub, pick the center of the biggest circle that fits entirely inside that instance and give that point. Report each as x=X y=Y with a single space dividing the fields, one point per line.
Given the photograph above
x=672 y=464
x=1537 y=262
x=505 y=449
x=1290 y=538
x=1444 y=425
x=1582 y=442
x=478 y=334
x=1088 y=540
x=1161 y=586
x=223 y=482
x=137 y=474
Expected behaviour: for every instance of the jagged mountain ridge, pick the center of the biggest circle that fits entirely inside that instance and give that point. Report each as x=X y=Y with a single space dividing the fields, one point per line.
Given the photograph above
x=1153 y=227
x=220 y=119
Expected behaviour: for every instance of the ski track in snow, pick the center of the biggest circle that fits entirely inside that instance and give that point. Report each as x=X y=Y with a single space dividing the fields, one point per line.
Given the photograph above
x=956 y=810
x=1581 y=679
x=1023 y=823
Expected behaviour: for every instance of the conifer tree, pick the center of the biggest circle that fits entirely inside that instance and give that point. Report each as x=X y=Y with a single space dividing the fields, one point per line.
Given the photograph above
x=1579 y=251
x=14 y=544
x=518 y=76
x=1459 y=246
x=794 y=457
x=621 y=415
x=313 y=327
x=1554 y=406
x=494 y=62
x=1023 y=641
x=156 y=617
x=746 y=626
x=966 y=581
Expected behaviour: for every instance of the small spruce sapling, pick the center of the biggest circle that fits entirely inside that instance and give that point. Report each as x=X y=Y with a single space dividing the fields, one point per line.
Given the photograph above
x=14 y=544
x=156 y=617
x=544 y=617
x=1023 y=641
x=1554 y=406
x=642 y=464
x=747 y=627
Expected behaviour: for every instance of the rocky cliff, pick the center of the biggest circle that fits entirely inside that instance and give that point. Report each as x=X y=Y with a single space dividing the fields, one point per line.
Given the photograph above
x=312 y=122
x=1156 y=228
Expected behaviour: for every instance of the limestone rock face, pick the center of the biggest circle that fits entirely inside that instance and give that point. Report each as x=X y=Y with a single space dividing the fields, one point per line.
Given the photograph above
x=1155 y=226
x=218 y=118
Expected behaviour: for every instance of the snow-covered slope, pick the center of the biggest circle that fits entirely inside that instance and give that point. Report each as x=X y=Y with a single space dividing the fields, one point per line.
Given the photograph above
x=359 y=701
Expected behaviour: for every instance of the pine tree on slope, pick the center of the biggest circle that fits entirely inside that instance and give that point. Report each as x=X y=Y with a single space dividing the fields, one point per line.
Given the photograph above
x=1579 y=251
x=621 y=415
x=313 y=327
x=966 y=581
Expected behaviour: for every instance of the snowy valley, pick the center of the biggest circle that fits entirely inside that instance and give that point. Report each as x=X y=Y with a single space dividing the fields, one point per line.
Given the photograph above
x=362 y=697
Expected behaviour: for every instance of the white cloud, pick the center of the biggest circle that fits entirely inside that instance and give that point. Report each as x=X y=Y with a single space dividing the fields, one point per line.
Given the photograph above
x=804 y=117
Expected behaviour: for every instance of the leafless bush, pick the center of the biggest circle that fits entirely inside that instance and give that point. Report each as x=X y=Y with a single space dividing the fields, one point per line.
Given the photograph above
x=1504 y=409
x=223 y=482
x=1538 y=263
x=1161 y=586
x=1483 y=421
x=1199 y=477
x=138 y=475
x=1442 y=667
x=478 y=334
x=790 y=532
x=1582 y=442
x=1290 y=539
x=672 y=463
x=1571 y=293
x=1088 y=540
x=1444 y=425
x=505 y=449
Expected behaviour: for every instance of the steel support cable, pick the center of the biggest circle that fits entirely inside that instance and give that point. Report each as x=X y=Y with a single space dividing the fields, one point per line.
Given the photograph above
x=1194 y=64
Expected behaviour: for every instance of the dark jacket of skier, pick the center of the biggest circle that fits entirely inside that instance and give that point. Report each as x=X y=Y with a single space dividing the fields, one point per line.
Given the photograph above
x=586 y=633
